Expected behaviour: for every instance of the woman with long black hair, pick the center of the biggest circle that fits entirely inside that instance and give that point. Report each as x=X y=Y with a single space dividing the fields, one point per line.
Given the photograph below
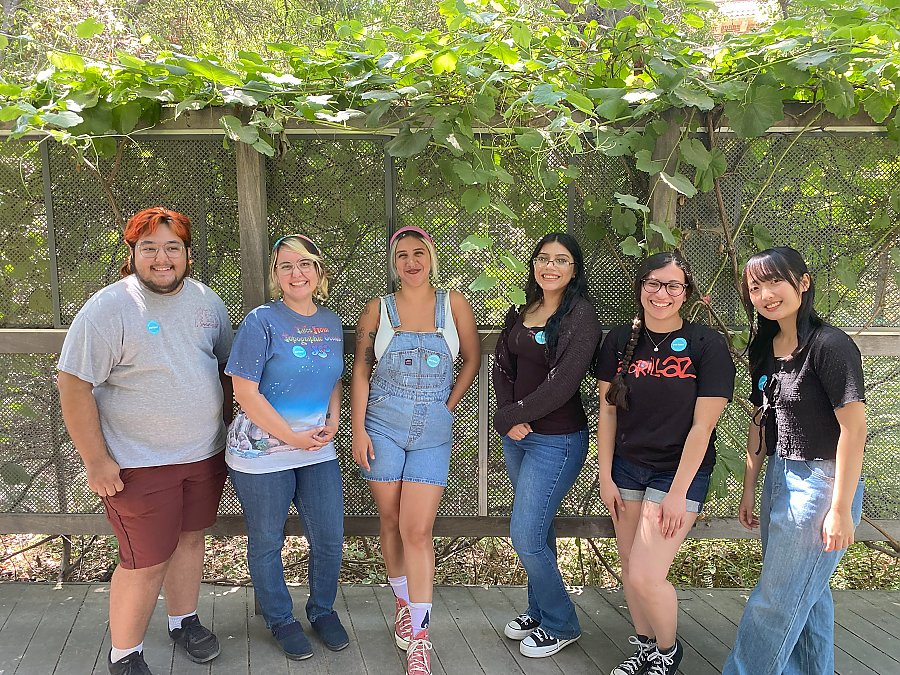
x=542 y=356
x=807 y=381
x=663 y=382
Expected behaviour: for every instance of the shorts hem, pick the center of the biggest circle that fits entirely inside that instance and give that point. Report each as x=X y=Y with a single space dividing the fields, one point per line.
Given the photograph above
x=630 y=495
x=656 y=496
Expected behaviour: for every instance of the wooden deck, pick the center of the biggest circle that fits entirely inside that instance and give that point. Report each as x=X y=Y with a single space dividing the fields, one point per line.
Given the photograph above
x=48 y=630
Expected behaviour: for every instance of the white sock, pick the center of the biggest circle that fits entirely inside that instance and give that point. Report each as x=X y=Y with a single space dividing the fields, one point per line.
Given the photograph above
x=119 y=654
x=175 y=621
x=398 y=585
x=419 y=615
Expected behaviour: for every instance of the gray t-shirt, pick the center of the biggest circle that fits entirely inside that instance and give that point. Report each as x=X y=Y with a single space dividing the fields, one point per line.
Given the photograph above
x=154 y=362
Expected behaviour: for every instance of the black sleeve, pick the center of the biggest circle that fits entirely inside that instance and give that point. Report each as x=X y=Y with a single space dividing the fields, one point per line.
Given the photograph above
x=715 y=367
x=607 y=362
x=503 y=373
x=838 y=365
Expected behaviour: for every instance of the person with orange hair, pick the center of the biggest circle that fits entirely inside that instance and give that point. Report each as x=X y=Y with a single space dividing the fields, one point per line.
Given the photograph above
x=144 y=400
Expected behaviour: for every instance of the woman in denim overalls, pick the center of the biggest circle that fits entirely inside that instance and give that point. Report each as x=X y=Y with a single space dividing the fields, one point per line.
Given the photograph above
x=402 y=422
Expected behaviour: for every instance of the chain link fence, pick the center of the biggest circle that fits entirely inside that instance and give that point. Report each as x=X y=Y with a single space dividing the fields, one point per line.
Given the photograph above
x=61 y=242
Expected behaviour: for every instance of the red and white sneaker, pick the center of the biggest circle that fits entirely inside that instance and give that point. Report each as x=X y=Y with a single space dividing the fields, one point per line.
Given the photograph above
x=418 y=655
x=402 y=624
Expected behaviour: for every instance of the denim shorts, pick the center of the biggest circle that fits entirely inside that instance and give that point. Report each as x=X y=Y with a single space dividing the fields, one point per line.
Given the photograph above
x=411 y=440
x=637 y=482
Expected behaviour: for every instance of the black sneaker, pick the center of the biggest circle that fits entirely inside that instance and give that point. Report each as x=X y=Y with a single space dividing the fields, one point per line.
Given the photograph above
x=520 y=627
x=637 y=663
x=331 y=631
x=133 y=664
x=665 y=663
x=198 y=641
x=540 y=644
x=292 y=641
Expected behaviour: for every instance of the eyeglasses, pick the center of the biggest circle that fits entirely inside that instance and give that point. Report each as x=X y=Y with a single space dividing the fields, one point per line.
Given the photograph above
x=544 y=261
x=304 y=265
x=172 y=250
x=673 y=288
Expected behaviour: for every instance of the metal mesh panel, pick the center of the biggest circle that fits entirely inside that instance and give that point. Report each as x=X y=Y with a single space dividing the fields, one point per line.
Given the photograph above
x=25 y=299
x=333 y=191
x=425 y=197
x=817 y=194
x=195 y=177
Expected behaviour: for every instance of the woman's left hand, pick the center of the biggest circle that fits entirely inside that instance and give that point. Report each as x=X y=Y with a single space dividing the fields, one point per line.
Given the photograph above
x=327 y=434
x=838 y=529
x=672 y=511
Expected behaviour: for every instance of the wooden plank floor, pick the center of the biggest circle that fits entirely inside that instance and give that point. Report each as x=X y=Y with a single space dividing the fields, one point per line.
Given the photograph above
x=47 y=630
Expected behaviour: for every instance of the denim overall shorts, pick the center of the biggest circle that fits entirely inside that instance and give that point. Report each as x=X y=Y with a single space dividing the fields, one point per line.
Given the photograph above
x=407 y=416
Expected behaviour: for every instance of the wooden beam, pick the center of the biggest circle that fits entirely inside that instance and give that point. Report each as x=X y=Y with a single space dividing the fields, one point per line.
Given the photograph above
x=367 y=526
x=663 y=199
x=252 y=225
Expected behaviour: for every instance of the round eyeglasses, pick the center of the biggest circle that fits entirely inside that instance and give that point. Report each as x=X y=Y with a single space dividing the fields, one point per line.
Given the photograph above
x=673 y=288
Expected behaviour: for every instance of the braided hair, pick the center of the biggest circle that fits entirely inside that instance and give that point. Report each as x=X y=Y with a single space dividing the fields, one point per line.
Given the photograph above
x=576 y=288
x=617 y=394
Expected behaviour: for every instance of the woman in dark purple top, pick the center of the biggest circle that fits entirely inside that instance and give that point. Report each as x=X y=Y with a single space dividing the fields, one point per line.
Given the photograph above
x=807 y=381
x=542 y=356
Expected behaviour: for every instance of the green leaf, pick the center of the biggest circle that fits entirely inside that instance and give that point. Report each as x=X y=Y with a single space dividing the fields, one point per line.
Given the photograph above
x=262 y=146
x=236 y=131
x=623 y=221
x=580 y=101
x=789 y=74
x=679 y=183
x=546 y=94
x=67 y=61
x=839 y=97
x=125 y=117
x=188 y=104
x=517 y=296
x=718 y=165
x=631 y=202
x=646 y=164
x=212 y=71
x=815 y=58
x=512 y=263
x=445 y=62
x=630 y=247
x=879 y=105
x=880 y=221
x=408 y=143
x=63 y=120
x=752 y=117
x=693 y=20
x=89 y=28
x=485 y=106
x=484 y=282
x=14 y=474
x=530 y=141
x=464 y=170
x=693 y=97
x=476 y=242
x=380 y=95
x=694 y=152
x=505 y=210
x=762 y=238
x=666 y=233
x=846 y=272
x=475 y=199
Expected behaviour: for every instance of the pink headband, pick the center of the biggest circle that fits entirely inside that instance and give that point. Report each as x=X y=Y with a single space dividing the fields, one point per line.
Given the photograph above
x=408 y=229
x=299 y=236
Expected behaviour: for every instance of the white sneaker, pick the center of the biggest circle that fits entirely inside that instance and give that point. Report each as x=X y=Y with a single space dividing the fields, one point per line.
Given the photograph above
x=540 y=644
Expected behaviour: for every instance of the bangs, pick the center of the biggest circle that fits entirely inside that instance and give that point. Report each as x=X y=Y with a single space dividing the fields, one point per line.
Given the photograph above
x=767 y=267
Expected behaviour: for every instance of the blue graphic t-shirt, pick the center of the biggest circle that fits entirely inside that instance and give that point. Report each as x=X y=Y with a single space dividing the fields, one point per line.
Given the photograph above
x=296 y=360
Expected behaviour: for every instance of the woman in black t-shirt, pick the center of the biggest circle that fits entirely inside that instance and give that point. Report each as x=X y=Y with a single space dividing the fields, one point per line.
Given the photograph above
x=663 y=383
x=807 y=382
x=542 y=356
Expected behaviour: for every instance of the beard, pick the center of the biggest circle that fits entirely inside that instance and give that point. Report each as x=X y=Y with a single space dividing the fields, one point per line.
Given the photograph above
x=162 y=289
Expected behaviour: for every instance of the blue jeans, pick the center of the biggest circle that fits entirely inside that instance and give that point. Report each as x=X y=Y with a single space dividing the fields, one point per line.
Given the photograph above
x=265 y=498
x=788 y=623
x=542 y=469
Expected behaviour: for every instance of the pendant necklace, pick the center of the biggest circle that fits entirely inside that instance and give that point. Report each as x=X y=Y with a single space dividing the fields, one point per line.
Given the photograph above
x=657 y=344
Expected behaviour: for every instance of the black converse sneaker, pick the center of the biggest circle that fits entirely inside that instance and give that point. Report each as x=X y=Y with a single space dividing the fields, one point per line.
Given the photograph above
x=637 y=663
x=520 y=627
x=665 y=663
x=540 y=643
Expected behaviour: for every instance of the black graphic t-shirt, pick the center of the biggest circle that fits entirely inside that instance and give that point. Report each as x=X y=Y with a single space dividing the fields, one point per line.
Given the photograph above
x=664 y=386
x=799 y=395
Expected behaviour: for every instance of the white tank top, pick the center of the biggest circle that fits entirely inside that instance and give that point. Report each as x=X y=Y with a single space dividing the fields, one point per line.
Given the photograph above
x=386 y=331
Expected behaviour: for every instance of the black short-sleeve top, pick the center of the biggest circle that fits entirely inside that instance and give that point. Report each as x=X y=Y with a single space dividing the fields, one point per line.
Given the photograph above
x=804 y=391
x=664 y=386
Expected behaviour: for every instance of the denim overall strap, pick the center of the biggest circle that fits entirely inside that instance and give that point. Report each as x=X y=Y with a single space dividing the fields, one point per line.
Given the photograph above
x=440 y=300
x=391 y=304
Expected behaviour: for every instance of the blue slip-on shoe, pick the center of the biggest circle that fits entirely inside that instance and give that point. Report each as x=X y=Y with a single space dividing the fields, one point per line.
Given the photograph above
x=331 y=632
x=293 y=641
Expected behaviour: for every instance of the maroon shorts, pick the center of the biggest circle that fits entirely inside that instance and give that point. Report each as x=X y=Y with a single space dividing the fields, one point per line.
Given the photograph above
x=159 y=503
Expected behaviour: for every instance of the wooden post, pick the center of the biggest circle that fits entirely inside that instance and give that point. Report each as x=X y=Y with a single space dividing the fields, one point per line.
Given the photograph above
x=664 y=200
x=254 y=231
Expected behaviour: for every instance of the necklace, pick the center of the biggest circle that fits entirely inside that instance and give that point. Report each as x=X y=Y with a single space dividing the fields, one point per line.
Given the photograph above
x=657 y=344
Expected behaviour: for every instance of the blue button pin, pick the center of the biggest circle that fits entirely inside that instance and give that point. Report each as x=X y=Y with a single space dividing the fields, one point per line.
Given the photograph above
x=433 y=360
x=153 y=327
x=762 y=382
x=679 y=345
x=540 y=337
x=299 y=351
